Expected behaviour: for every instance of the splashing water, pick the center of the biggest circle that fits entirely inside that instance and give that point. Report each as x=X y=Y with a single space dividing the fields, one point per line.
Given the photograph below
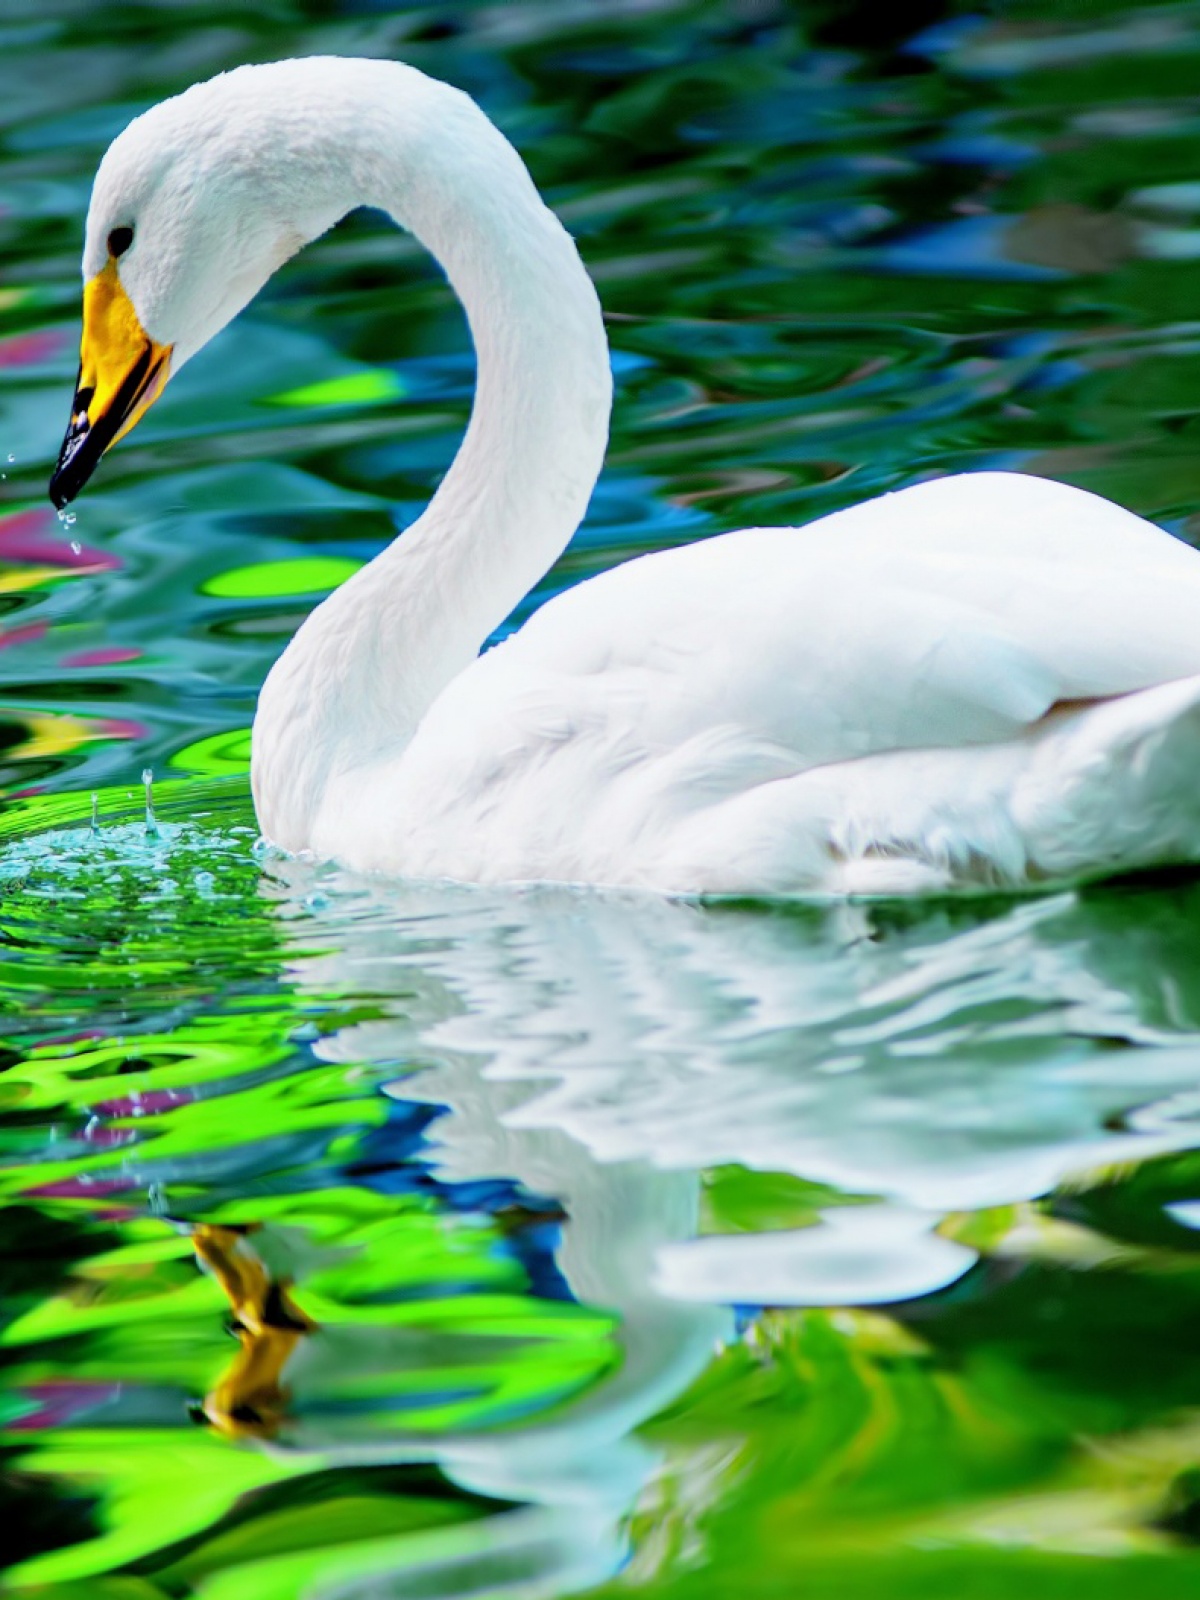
x=148 y=783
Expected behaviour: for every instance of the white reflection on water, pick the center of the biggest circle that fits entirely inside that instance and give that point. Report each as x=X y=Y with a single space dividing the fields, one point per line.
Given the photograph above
x=605 y=1050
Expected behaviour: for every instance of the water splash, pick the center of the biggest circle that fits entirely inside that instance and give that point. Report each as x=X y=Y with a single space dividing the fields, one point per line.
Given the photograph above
x=151 y=819
x=95 y=815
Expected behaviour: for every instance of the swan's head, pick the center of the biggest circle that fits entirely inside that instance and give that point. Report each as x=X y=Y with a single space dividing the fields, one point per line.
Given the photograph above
x=194 y=206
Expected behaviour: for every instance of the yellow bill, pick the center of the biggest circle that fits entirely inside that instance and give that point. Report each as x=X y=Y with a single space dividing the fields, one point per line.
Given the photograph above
x=122 y=371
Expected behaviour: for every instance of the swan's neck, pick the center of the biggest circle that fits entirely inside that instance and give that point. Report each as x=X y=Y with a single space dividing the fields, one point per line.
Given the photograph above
x=350 y=689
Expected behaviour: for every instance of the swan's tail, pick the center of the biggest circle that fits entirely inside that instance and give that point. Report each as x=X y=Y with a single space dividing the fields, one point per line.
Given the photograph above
x=1092 y=790
x=1114 y=786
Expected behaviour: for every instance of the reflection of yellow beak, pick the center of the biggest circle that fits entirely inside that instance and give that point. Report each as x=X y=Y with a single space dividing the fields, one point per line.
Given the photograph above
x=249 y=1400
x=122 y=372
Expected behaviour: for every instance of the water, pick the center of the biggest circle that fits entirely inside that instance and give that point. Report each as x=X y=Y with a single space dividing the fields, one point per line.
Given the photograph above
x=589 y=1243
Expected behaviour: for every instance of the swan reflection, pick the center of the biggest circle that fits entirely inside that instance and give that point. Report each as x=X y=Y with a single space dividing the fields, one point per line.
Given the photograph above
x=608 y=1052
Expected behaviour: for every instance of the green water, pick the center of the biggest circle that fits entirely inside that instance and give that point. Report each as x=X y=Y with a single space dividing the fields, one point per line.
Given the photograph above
x=577 y=1242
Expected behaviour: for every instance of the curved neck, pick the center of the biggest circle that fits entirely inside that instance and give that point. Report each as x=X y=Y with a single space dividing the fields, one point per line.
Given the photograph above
x=360 y=673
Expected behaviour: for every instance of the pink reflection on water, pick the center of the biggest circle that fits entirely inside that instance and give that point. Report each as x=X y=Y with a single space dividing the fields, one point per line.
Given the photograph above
x=60 y=1403
x=146 y=1103
x=120 y=728
x=85 y=1187
x=25 y=634
x=30 y=349
x=112 y=656
x=35 y=538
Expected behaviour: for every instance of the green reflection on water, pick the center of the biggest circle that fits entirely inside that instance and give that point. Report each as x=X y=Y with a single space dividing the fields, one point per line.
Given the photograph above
x=512 y=1160
x=379 y=1083
x=162 y=1082
x=365 y=388
x=221 y=754
x=272 y=579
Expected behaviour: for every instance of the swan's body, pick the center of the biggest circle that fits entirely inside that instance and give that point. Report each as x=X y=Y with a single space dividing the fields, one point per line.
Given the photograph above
x=986 y=679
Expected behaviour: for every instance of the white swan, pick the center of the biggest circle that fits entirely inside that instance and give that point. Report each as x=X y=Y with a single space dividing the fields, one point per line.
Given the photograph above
x=987 y=679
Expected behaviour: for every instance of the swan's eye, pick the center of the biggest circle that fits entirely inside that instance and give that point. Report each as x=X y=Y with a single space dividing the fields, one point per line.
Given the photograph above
x=119 y=241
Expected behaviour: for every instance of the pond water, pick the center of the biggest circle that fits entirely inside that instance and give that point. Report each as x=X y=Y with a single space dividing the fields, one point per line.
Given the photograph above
x=369 y=1241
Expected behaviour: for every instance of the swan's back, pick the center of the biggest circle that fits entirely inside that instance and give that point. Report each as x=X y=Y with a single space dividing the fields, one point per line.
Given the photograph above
x=700 y=719
x=1098 y=598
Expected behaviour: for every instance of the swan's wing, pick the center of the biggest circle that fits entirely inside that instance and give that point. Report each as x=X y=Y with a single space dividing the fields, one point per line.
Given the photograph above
x=951 y=614
x=958 y=611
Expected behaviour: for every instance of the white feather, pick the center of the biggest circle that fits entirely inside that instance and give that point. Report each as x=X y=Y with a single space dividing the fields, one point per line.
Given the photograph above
x=985 y=679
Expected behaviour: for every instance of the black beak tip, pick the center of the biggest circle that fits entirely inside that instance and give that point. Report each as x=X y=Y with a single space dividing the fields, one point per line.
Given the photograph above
x=77 y=460
x=89 y=437
x=61 y=494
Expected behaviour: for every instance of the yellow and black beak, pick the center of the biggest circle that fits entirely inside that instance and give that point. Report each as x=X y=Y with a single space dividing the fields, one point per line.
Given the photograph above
x=122 y=371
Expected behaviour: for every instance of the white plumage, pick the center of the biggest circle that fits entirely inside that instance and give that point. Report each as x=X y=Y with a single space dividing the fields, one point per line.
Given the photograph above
x=867 y=704
x=982 y=680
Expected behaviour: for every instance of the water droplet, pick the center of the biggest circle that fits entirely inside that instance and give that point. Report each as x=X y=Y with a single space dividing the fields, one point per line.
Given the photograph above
x=95 y=814
x=11 y=458
x=67 y=518
x=151 y=820
x=76 y=547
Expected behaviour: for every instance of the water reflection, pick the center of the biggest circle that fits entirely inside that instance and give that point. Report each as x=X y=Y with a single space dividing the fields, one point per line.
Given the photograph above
x=607 y=1051
x=946 y=1058
x=248 y=1400
x=525 y=1168
x=486 y=1184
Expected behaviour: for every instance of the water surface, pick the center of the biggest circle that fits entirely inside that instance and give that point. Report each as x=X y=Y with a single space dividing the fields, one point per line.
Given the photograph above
x=368 y=1241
